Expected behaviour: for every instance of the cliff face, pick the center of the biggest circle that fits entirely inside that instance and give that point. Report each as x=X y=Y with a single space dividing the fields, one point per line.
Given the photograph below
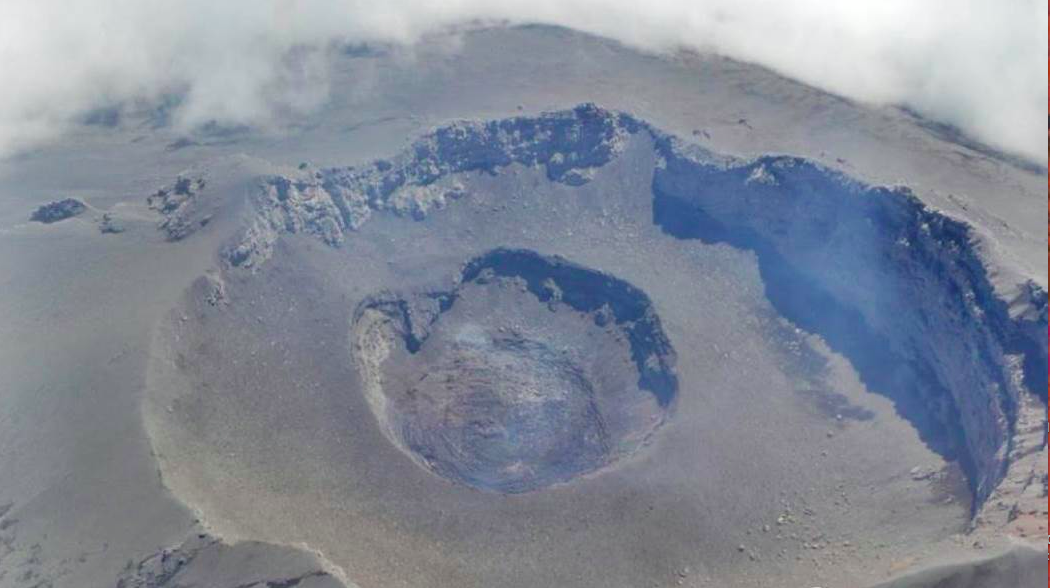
x=894 y=286
x=897 y=288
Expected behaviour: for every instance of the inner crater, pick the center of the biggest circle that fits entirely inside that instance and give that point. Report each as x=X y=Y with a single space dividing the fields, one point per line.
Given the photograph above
x=529 y=371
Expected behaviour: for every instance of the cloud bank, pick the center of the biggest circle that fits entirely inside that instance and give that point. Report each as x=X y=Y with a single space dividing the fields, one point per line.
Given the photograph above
x=974 y=64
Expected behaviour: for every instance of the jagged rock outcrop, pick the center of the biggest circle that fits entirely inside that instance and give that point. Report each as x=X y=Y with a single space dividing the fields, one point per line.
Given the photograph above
x=182 y=212
x=899 y=289
x=326 y=203
x=59 y=210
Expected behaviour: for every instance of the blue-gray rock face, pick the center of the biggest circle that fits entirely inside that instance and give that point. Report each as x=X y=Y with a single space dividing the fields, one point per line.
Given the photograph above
x=894 y=286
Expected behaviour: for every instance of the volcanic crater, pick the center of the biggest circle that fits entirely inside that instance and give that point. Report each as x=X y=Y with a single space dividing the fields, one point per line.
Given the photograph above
x=531 y=371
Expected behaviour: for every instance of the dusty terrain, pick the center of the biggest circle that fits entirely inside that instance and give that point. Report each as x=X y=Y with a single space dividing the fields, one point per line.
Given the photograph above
x=610 y=320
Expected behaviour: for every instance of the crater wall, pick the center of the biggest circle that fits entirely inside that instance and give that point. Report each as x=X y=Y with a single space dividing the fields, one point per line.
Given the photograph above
x=531 y=371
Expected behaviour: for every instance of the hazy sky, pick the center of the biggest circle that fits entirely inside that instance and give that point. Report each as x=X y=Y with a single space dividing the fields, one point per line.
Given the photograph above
x=976 y=64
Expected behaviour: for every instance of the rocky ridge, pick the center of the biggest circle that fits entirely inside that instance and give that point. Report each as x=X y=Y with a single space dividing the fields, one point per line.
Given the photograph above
x=181 y=207
x=571 y=145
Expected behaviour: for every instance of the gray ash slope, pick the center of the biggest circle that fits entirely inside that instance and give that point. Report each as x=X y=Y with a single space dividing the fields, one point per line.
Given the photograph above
x=897 y=288
x=1020 y=566
x=280 y=451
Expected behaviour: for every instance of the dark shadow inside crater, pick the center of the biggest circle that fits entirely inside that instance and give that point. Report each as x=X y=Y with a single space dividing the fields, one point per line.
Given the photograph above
x=800 y=300
x=1036 y=374
x=820 y=241
x=530 y=371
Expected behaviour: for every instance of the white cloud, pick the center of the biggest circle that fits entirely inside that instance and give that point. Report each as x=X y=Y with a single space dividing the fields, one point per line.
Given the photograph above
x=975 y=64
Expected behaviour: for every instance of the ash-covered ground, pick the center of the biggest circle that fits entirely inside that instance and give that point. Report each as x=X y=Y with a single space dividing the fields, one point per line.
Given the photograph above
x=544 y=312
